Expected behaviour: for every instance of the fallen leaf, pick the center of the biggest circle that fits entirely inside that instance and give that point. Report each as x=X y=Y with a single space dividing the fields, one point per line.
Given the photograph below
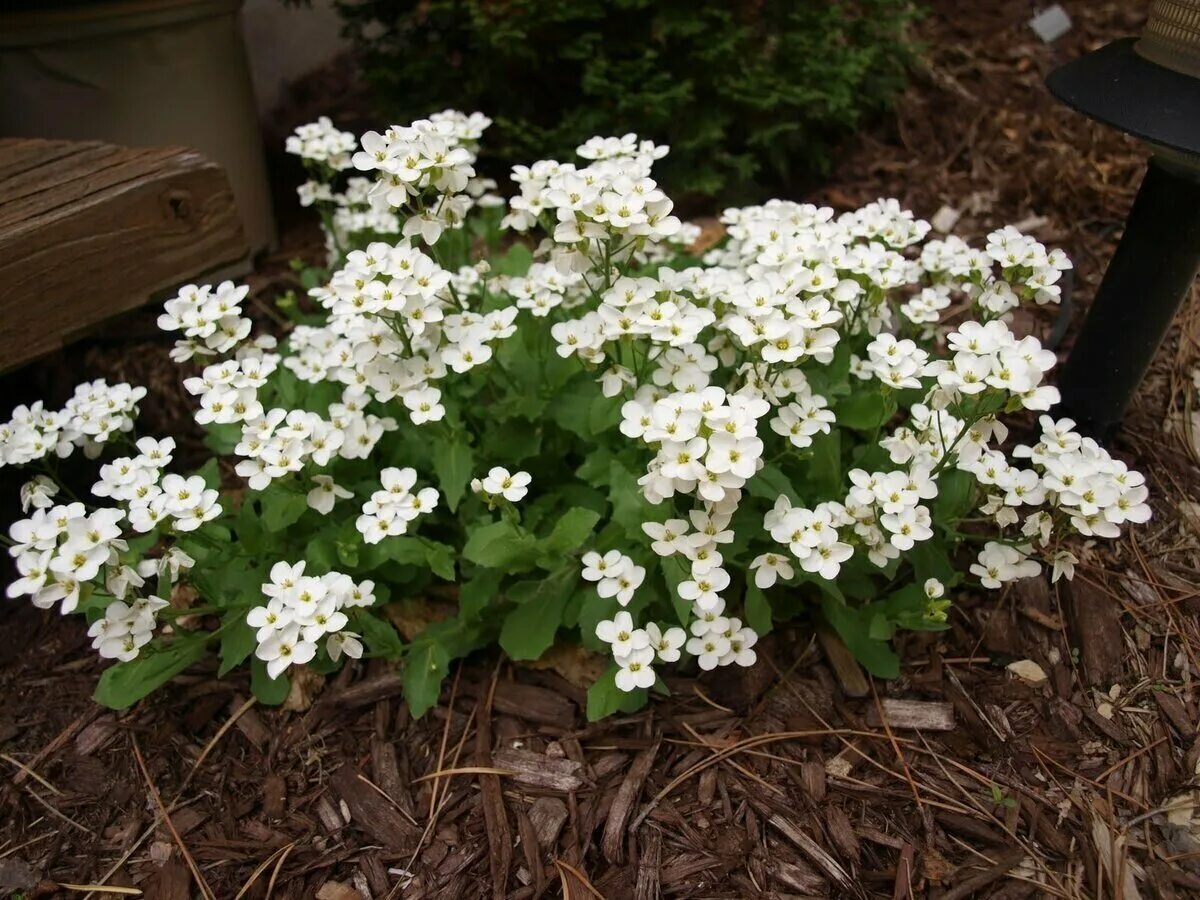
x=337 y=890
x=1027 y=670
x=306 y=684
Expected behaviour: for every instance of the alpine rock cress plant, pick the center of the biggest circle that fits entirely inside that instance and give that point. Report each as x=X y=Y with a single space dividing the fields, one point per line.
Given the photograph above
x=547 y=410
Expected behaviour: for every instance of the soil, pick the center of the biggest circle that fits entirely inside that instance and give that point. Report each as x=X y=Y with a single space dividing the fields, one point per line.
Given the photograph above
x=1045 y=746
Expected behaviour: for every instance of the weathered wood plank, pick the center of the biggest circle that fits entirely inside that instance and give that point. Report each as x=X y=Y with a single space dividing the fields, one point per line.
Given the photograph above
x=925 y=715
x=90 y=230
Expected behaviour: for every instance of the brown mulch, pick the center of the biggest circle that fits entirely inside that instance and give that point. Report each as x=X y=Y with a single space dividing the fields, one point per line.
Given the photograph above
x=798 y=778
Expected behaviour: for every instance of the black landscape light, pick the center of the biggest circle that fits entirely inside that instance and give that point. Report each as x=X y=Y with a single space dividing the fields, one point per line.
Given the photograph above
x=1148 y=87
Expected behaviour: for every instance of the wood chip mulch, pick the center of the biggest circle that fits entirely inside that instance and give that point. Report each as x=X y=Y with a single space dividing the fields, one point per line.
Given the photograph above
x=1045 y=746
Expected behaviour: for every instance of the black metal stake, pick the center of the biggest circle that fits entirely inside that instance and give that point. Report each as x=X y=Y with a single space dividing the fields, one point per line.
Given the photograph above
x=1147 y=281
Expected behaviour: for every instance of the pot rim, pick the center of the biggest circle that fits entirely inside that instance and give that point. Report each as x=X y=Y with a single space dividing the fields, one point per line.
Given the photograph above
x=79 y=20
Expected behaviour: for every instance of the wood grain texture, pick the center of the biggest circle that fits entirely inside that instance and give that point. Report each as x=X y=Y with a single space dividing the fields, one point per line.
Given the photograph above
x=89 y=230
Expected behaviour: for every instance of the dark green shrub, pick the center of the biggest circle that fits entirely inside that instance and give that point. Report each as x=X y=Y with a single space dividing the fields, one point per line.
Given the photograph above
x=747 y=94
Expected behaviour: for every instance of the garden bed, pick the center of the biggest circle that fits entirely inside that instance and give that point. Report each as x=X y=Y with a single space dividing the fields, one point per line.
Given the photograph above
x=779 y=780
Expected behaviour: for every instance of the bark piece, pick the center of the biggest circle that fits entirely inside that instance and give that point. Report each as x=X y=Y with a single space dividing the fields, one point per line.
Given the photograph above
x=649 y=864
x=539 y=771
x=533 y=704
x=274 y=791
x=370 y=812
x=548 y=814
x=969 y=886
x=495 y=816
x=921 y=715
x=849 y=674
x=1096 y=618
x=820 y=858
x=613 y=842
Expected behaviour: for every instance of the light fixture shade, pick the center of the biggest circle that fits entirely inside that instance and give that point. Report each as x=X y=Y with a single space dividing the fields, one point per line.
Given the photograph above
x=1121 y=87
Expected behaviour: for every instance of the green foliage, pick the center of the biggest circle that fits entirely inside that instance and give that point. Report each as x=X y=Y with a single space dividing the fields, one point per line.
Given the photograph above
x=746 y=95
x=126 y=683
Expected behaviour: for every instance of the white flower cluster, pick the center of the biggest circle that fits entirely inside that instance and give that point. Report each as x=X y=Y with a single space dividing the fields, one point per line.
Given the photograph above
x=433 y=156
x=398 y=322
x=391 y=509
x=1028 y=271
x=544 y=288
x=153 y=499
x=716 y=640
x=301 y=610
x=228 y=390
x=96 y=412
x=210 y=319
x=1080 y=479
x=279 y=441
x=607 y=210
x=321 y=142
x=60 y=549
x=988 y=355
x=126 y=627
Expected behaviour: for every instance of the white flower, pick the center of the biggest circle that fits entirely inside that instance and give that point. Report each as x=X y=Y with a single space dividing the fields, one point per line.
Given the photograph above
x=934 y=588
x=769 y=567
x=999 y=563
x=635 y=671
x=668 y=537
x=511 y=487
x=666 y=644
x=597 y=567
x=326 y=493
x=285 y=648
x=1063 y=565
x=344 y=642
x=622 y=585
x=39 y=493
x=424 y=405
x=620 y=633
x=709 y=649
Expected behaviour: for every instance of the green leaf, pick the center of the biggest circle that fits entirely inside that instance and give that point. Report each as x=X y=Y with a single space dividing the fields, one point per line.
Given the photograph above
x=592 y=611
x=281 y=507
x=865 y=410
x=424 y=670
x=758 y=608
x=604 y=697
x=500 y=545
x=453 y=461
x=529 y=630
x=221 y=439
x=237 y=643
x=571 y=407
x=854 y=628
x=321 y=553
x=675 y=571
x=597 y=467
x=630 y=507
x=770 y=483
x=126 y=683
x=381 y=637
x=956 y=493
x=440 y=558
x=516 y=261
x=604 y=413
x=570 y=531
x=269 y=691
x=211 y=473
x=477 y=593
x=513 y=441
x=930 y=560
x=825 y=467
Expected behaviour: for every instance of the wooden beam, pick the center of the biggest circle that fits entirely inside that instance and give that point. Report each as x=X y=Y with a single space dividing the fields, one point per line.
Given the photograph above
x=89 y=230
